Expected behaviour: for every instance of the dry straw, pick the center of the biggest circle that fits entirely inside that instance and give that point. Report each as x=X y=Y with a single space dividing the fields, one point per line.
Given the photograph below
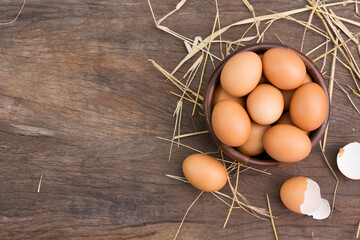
x=334 y=32
x=39 y=185
x=186 y=213
x=331 y=87
x=271 y=217
x=335 y=176
x=16 y=18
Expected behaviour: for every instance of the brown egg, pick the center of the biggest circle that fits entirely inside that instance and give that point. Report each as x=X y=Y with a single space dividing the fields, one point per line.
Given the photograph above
x=241 y=74
x=285 y=119
x=302 y=195
x=286 y=143
x=220 y=95
x=308 y=107
x=283 y=68
x=254 y=145
x=231 y=123
x=265 y=104
x=204 y=172
x=287 y=94
x=292 y=193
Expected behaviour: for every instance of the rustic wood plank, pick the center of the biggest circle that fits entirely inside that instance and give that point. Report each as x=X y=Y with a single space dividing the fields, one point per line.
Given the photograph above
x=81 y=105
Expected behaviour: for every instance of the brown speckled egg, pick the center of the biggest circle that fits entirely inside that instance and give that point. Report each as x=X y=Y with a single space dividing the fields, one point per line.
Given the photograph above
x=265 y=104
x=220 y=95
x=204 y=172
x=254 y=145
x=308 y=107
x=231 y=123
x=286 y=143
x=241 y=74
x=283 y=68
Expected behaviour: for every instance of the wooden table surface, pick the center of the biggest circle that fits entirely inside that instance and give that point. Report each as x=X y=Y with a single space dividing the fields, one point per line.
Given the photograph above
x=81 y=106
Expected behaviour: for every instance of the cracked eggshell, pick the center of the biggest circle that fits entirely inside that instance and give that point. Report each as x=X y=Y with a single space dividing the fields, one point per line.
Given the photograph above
x=348 y=160
x=302 y=195
x=312 y=198
x=323 y=211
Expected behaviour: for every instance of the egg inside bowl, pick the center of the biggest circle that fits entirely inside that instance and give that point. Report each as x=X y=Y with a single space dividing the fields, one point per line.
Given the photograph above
x=230 y=149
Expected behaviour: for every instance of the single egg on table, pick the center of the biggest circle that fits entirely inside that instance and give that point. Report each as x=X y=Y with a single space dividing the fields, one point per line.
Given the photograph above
x=241 y=74
x=231 y=123
x=265 y=104
x=308 y=107
x=286 y=143
x=254 y=145
x=302 y=195
x=204 y=172
x=220 y=95
x=283 y=68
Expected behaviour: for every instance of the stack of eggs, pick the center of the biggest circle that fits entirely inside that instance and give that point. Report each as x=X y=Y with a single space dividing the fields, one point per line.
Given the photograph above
x=268 y=102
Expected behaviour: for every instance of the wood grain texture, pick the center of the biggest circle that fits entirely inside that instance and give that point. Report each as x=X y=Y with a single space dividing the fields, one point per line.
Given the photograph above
x=81 y=105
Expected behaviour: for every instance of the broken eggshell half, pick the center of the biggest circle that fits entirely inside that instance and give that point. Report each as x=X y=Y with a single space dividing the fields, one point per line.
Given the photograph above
x=348 y=160
x=302 y=195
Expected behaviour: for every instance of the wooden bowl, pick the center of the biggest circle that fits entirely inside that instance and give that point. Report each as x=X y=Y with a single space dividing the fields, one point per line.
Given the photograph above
x=262 y=160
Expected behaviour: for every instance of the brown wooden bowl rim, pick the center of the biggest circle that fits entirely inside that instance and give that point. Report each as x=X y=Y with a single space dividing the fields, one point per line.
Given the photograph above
x=213 y=81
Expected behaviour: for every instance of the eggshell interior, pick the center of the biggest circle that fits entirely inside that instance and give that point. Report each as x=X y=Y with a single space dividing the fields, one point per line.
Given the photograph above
x=323 y=211
x=348 y=160
x=302 y=195
x=312 y=199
